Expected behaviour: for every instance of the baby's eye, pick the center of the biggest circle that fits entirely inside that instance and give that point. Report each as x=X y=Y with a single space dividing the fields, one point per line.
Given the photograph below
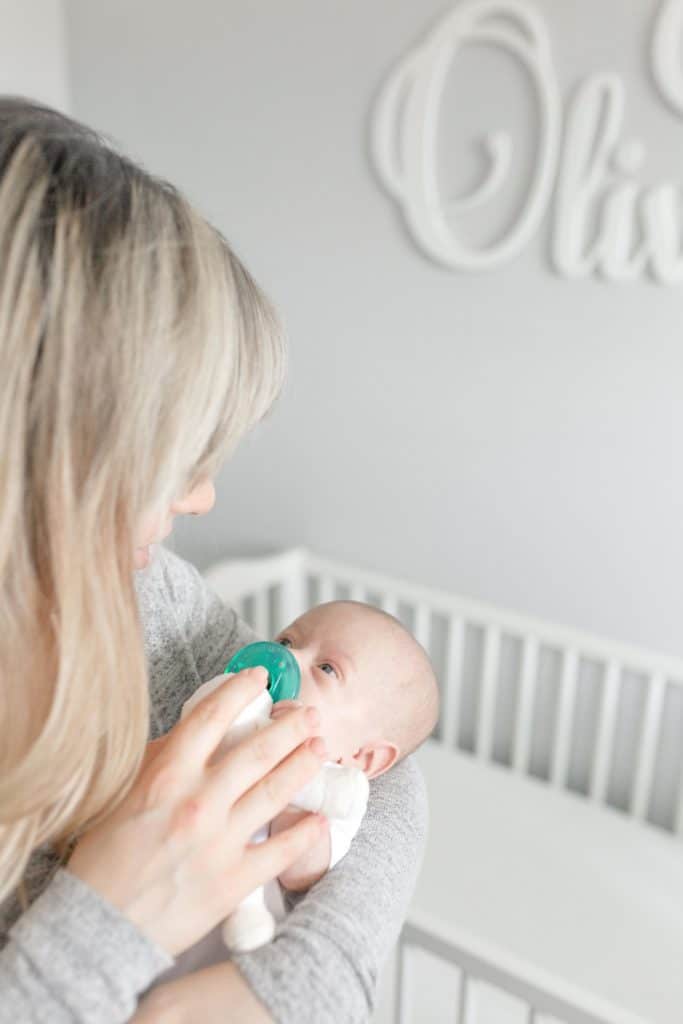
x=285 y=641
x=330 y=670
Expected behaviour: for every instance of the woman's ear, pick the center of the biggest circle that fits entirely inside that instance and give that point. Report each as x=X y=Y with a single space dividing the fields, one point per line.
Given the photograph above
x=375 y=758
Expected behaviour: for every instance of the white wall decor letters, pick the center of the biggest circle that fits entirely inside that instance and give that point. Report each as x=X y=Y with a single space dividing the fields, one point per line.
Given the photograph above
x=667 y=67
x=420 y=77
x=603 y=221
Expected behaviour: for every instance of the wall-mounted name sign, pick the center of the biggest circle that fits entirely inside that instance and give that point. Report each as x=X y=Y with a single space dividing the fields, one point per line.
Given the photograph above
x=584 y=170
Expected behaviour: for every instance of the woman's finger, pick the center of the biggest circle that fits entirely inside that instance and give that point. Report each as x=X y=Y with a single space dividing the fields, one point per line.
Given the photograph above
x=254 y=756
x=271 y=794
x=193 y=739
x=268 y=859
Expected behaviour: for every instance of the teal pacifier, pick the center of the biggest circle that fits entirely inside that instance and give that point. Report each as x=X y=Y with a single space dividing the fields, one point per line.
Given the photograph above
x=284 y=677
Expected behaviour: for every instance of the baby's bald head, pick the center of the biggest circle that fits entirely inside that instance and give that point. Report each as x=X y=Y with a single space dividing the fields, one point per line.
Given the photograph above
x=373 y=666
x=408 y=701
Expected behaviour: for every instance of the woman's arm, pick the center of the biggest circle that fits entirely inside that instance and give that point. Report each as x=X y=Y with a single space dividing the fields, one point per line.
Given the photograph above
x=334 y=943
x=74 y=959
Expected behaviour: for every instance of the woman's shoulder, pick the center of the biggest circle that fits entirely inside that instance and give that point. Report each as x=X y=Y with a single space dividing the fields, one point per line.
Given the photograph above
x=189 y=633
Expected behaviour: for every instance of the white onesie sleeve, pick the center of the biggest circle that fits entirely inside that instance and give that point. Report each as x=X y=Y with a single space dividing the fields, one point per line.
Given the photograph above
x=342 y=831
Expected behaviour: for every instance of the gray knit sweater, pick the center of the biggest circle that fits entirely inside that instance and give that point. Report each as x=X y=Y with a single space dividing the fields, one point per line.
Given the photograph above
x=72 y=957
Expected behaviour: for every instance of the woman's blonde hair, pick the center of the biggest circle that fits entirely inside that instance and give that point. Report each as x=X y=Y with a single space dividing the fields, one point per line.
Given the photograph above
x=135 y=351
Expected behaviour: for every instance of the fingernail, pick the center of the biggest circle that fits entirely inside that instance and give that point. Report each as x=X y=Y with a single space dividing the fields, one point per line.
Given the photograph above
x=312 y=716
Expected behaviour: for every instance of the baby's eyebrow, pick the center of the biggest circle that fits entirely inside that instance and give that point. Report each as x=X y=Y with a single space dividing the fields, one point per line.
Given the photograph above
x=345 y=661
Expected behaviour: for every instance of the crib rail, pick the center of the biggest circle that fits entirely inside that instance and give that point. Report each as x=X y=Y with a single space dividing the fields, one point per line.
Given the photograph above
x=470 y=986
x=567 y=707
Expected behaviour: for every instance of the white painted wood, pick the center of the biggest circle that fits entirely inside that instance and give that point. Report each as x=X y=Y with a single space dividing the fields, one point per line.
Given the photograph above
x=452 y=682
x=678 y=817
x=565 y=718
x=528 y=855
x=235 y=578
x=260 y=618
x=292 y=601
x=487 y=702
x=407 y=116
x=647 y=753
x=667 y=69
x=525 y=704
x=423 y=624
x=575 y=898
x=550 y=633
x=326 y=587
x=605 y=740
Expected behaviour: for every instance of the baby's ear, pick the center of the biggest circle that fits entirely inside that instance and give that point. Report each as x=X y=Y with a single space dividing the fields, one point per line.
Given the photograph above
x=376 y=758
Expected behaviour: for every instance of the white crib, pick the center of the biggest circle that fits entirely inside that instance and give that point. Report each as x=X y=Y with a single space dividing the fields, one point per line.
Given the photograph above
x=552 y=887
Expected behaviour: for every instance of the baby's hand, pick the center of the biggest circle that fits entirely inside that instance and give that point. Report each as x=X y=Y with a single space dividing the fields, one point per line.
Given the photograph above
x=310 y=868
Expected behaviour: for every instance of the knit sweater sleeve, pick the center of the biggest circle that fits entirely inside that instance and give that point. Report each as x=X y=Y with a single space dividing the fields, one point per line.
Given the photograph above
x=72 y=958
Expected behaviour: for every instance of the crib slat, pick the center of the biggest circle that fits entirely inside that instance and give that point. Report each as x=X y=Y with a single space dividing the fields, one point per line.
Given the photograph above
x=389 y=604
x=452 y=682
x=404 y=983
x=423 y=617
x=487 y=705
x=678 y=814
x=261 y=623
x=463 y=1011
x=647 y=754
x=605 y=739
x=525 y=705
x=325 y=588
x=565 y=718
x=357 y=592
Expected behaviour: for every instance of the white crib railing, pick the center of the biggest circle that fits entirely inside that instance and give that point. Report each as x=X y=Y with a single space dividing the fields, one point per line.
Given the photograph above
x=575 y=710
x=438 y=979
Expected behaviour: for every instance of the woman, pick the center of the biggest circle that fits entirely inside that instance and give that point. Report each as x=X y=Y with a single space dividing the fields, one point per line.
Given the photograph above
x=135 y=351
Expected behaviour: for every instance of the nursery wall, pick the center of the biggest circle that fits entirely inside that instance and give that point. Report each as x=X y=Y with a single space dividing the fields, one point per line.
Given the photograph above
x=512 y=433
x=33 y=55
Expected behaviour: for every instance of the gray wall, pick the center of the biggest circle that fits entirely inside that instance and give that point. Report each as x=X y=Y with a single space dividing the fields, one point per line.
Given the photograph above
x=512 y=436
x=33 y=57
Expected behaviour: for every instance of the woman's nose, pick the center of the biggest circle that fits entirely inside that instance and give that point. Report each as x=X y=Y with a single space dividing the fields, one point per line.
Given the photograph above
x=196 y=502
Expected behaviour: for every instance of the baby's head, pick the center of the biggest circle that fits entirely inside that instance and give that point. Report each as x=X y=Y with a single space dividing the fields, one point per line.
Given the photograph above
x=370 y=680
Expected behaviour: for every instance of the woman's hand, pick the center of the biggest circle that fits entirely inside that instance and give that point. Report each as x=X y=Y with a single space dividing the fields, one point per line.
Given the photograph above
x=174 y=855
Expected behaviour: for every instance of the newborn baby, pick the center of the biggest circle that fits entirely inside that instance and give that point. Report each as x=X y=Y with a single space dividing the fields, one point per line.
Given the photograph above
x=377 y=697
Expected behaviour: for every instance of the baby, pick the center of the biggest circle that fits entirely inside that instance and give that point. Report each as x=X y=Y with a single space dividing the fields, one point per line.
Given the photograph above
x=377 y=697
